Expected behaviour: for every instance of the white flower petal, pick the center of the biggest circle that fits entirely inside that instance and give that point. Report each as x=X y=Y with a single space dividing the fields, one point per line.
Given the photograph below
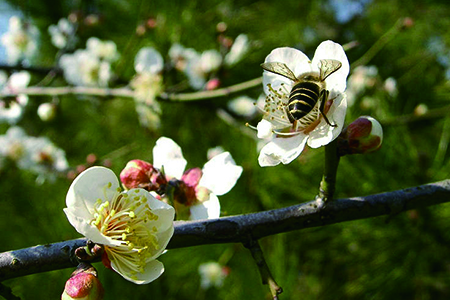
x=331 y=50
x=152 y=270
x=324 y=133
x=148 y=60
x=167 y=154
x=265 y=129
x=209 y=209
x=294 y=59
x=220 y=174
x=84 y=228
x=282 y=150
x=164 y=211
x=90 y=186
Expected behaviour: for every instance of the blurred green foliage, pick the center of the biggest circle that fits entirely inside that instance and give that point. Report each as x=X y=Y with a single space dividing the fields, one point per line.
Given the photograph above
x=402 y=257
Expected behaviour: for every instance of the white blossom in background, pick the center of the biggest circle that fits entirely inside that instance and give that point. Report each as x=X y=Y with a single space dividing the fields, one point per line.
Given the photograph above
x=83 y=68
x=287 y=140
x=62 y=34
x=179 y=56
x=20 y=41
x=37 y=155
x=361 y=78
x=243 y=106
x=132 y=225
x=238 y=50
x=44 y=159
x=11 y=110
x=200 y=67
x=217 y=177
x=12 y=145
x=104 y=50
x=390 y=86
x=147 y=84
x=90 y=67
x=212 y=274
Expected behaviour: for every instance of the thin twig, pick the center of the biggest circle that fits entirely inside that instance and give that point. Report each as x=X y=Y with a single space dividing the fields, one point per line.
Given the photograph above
x=237 y=229
x=128 y=93
x=379 y=44
x=263 y=268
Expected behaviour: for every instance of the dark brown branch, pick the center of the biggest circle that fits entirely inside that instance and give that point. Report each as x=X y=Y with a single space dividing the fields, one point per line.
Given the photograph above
x=238 y=229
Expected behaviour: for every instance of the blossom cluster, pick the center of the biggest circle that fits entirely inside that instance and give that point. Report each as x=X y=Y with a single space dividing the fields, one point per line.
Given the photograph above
x=90 y=66
x=192 y=192
x=200 y=68
x=365 y=87
x=20 y=41
x=37 y=155
x=11 y=110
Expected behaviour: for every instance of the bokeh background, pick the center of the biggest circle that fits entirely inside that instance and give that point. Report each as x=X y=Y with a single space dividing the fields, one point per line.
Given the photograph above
x=401 y=257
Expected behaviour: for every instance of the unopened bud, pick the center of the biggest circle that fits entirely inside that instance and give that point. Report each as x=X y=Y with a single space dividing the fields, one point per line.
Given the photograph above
x=407 y=23
x=46 y=111
x=212 y=84
x=141 y=174
x=363 y=135
x=83 y=284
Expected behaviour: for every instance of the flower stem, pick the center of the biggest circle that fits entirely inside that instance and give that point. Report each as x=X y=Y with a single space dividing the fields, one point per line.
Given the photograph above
x=266 y=275
x=328 y=183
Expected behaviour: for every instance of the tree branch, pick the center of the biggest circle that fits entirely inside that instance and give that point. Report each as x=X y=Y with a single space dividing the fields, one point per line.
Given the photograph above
x=125 y=92
x=237 y=229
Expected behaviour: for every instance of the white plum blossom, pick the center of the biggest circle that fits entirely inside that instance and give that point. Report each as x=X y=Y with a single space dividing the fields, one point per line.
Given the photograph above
x=62 y=34
x=243 y=106
x=237 y=51
x=179 y=56
x=200 y=67
x=217 y=177
x=20 y=41
x=147 y=84
x=90 y=66
x=34 y=154
x=83 y=68
x=212 y=274
x=43 y=158
x=12 y=145
x=11 y=110
x=132 y=225
x=361 y=78
x=104 y=50
x=288 y=139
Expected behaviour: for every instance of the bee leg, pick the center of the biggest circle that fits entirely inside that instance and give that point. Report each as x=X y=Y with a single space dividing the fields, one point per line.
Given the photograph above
x=323 y=98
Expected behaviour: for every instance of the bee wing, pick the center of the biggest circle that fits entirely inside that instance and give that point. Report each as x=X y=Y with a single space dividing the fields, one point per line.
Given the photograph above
x=328 y=67
x=280 y=69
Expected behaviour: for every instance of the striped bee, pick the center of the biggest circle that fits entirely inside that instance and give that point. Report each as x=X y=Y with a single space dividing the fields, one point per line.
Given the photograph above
x=309 y=88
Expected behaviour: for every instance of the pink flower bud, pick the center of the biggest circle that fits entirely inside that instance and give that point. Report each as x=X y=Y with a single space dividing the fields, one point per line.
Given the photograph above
x=141 y=174
x=212 y=84
x=363 y=135
x=83 y=284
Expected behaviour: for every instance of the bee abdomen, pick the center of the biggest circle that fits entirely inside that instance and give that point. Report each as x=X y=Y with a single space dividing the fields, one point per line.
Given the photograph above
x=303 y=98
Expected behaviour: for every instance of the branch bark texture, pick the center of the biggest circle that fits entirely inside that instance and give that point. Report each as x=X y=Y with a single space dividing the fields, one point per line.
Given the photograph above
x=238 y=229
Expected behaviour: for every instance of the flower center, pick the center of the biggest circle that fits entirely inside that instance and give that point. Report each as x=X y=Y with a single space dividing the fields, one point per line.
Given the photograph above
x=276 y=107
x=126 y=219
